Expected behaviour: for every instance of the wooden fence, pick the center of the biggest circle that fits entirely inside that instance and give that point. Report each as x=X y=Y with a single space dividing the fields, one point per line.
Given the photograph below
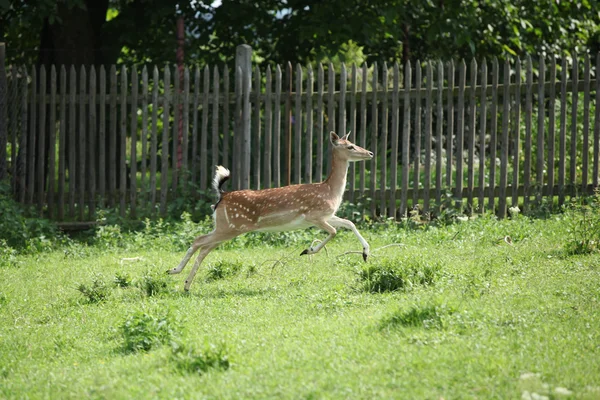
x=484 y=136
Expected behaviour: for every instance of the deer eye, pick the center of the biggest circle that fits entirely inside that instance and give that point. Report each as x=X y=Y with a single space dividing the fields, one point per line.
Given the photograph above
x=350 y=147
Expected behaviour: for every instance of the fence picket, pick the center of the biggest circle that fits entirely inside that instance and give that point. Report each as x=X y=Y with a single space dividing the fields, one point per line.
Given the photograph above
x=144 y=137
x=297 y=122
x=267 y=175
x=406 y=126
x=319 y=117
x=195 y=160
x=363 y=124
x=551 y=127
x=92 y=145
x=256 y=132
x=450 y=124
x=101 y=138
x=24 y=142
x=204 y=133
x=277 y=130
x=586 y=124
x=82 y=143
x=384 y=141
x=428 y=137
x=215 y=120
x=482 y=137
x=563 y=133
x=517 y=134
x=226 y=122
x=41 y=156
x=133 y=156
x=185 y=122
x=374 y=134
x=528 y=133
x=154 y=138
x=330 y=116
x=460 y=129
x=50 y=198
x=439 y=130
x=595 y=172
x=574 y=106
x=394 y=142
x=164 y=157
x=493 y=135
x=123 y=144
x=309 y=126
x=112 y=140
x=471 y=140
x=72 y=140
x=540 y=133
x=33 y=137
x=354 y=135
x=505 y=141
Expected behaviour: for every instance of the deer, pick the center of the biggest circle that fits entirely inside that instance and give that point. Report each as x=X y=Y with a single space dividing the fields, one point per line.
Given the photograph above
x=280 y=209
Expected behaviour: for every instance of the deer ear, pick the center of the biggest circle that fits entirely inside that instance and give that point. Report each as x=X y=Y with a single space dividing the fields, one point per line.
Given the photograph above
x=333 y=137
x=346 y=136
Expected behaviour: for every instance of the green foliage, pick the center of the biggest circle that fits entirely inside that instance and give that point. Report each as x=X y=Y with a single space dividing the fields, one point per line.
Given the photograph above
x=391 y=274
x=95 y=292
x=122 y=280
x=223 y=269
x=144 y=331
x=583 y=215
x=153 y=283
x=19 y=231
x=211 y=357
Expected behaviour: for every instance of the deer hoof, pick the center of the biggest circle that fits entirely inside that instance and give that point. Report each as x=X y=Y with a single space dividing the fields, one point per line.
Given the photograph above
x=365 y=255
x=304 y=252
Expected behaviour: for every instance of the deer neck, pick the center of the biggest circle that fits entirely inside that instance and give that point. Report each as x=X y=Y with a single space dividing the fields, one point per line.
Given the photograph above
x=337 y=177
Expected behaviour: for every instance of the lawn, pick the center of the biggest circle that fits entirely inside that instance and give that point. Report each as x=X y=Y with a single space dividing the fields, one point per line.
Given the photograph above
x=475 y=309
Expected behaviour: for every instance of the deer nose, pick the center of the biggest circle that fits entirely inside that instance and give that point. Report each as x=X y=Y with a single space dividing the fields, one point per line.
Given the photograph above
x=370 y=153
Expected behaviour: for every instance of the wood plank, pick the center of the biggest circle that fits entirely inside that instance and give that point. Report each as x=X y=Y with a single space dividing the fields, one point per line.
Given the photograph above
x=256 y=158
x=418 y=138
x=14 y=118
x=551 y=129
x=297 y=121
x=267 y=159
x=384 y=141
x=342 y=100
x=226 y=121
x=82 y=143
x=374 y=135
x=101 y=139
x=215 y=119
x=320 y=136
x=482 y=136
x=32 y=151
x=504 y=144
x=586 y=123
x=450 y=122
x=574 y=107
x=595 y=171
x=528 y=133
x=471 y=140
x=41 y=150
x=144 y=139
x=562 y=141
x=406 y=126
x=308 y=163
x=204 y=169
x=288 y=125
x=133 y=149
x=493 y=135
x=246 y=137
x=439 y=141
x=517 y=132
x=363 y=124
x=92 y=145
x=237 y=156
x=112 y=139
x=185 y=122
x=176 y=137
x=164 y=171
x=277 y=130
x=460 y=129
x=354 y=135
x=123 y=143
x=330 y=116
x=23 y=142
x=51 y=145
x=195 y=130
x=154 y=138
x=428 y=137
x=394 y=142
x=541 y=128
x=72 y=140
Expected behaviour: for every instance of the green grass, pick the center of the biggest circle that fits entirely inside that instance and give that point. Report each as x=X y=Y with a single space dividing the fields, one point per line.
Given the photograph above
x=455 y=312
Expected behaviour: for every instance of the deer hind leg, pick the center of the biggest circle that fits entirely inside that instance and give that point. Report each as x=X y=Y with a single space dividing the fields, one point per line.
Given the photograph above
x=203 y=253
x=199 y=242
x=326 y=227
x=344 y=223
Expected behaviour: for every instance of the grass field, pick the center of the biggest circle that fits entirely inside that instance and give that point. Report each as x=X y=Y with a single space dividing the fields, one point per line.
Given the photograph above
x=477 y=309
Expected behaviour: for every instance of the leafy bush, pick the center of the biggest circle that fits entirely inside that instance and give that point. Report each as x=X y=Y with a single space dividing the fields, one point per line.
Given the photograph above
x=193 y=362
x=17 y=230
x=584 y=225
x=143 y=331
x=427 y=316
x=393 y=274
x=96 y=292
x=223 y=269
x=122 y=280
x=152 y=283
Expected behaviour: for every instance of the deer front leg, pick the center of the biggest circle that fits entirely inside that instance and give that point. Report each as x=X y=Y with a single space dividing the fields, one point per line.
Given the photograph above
x=344 y=223
x=325 y=226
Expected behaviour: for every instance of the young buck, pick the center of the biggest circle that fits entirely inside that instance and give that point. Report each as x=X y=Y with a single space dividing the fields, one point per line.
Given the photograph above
x=280 y=209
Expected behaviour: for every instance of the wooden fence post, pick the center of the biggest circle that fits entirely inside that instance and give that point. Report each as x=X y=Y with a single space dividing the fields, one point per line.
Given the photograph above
x=3 y=131
x=243 y=65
